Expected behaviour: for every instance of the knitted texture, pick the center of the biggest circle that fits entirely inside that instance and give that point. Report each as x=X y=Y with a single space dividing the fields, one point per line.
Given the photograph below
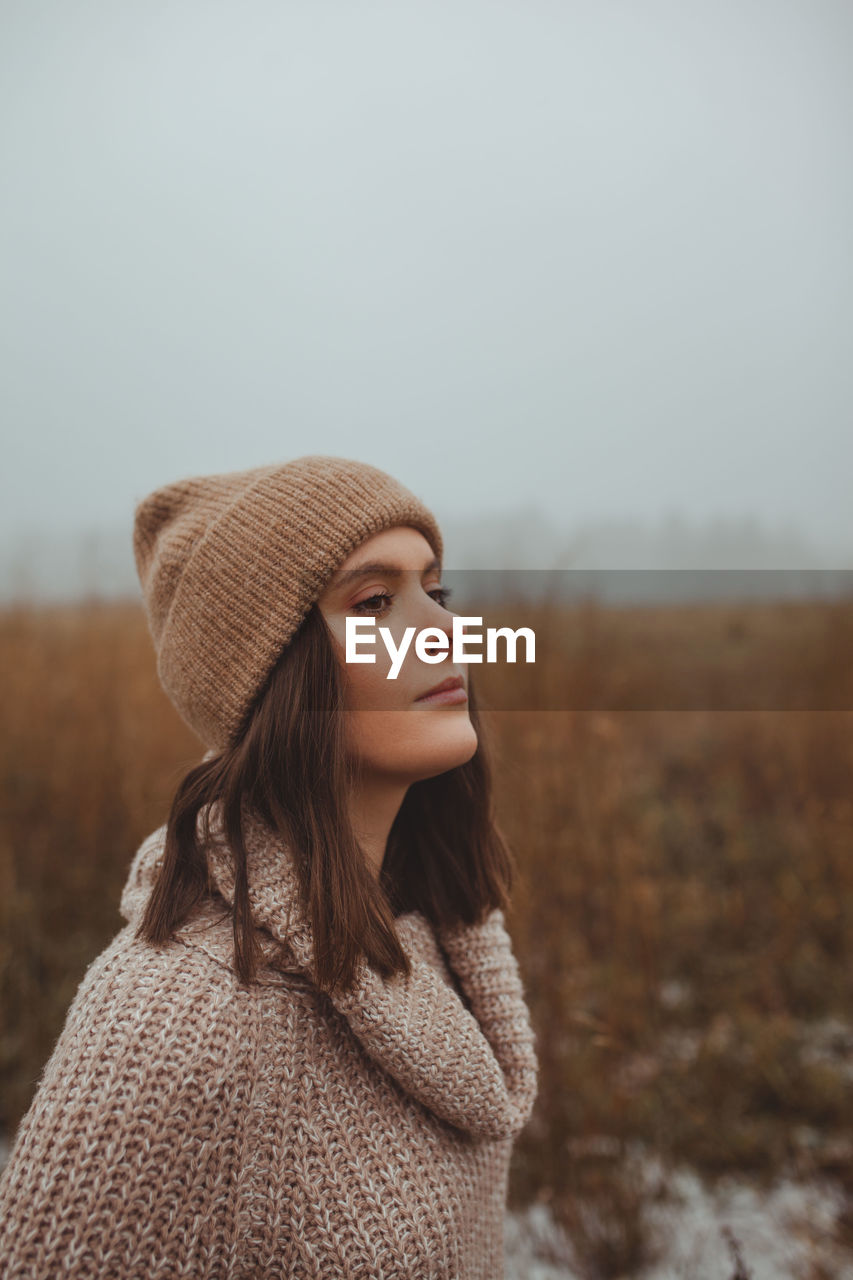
x=187 y=1125
x=230 y=564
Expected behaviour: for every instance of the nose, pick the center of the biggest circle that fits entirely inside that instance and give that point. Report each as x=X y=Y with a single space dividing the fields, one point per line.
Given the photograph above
x=439 y=617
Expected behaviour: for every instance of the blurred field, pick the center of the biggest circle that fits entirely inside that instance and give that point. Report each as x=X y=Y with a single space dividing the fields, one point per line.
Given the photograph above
x=683 y=922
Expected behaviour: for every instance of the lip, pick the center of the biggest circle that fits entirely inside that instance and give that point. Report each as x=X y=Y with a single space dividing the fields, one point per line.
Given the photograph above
x=450 y=691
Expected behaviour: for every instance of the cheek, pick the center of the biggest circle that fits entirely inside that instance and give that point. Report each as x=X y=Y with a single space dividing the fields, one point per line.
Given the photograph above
x=368 y=688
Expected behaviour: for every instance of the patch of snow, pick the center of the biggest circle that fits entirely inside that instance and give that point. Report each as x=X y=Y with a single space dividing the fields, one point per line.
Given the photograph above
x=673 y=993
x=536 y=1248
x=779 y=1234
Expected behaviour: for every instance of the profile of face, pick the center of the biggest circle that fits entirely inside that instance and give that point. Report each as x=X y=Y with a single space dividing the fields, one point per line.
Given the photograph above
x=392 y=732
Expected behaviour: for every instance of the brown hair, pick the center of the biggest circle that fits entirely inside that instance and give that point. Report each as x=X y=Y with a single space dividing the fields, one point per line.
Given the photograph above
x=445 y=854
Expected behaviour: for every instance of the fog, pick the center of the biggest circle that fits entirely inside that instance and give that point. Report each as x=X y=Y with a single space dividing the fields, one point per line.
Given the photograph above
x=587 y=264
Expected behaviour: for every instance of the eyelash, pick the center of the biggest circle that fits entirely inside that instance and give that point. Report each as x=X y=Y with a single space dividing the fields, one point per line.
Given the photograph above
x=444 y=594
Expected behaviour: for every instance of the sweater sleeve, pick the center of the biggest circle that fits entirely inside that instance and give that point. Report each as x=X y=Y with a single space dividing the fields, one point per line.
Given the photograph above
x=125 y=1164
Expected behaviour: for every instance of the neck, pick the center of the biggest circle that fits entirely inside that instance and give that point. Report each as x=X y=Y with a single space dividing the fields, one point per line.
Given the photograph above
x=373 y=805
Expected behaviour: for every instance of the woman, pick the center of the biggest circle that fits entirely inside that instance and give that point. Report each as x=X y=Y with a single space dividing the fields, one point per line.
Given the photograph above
x=307 y=1052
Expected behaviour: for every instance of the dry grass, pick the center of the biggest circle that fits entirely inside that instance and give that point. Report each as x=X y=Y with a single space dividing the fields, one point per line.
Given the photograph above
x=683 y=920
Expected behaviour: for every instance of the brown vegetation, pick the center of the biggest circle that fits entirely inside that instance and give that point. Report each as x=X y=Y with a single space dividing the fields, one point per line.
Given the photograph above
x=683 y=920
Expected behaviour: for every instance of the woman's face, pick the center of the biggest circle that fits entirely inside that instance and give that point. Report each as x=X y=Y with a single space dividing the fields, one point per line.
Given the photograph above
x=394 y=578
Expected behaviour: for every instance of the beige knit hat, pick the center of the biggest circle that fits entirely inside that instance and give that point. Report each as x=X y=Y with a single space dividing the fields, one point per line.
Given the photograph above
x=230 y=565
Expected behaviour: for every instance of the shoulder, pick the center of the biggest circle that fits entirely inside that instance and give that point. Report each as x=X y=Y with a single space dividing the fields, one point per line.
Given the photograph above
x=158 y=1022
x=169 y=1018
x=182 y=997
x=138 y=1120
x=150 y=1085
x=148 y=1015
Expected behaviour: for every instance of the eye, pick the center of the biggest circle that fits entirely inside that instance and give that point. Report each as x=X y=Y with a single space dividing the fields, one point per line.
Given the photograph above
x=441 y=595
x=369 y=605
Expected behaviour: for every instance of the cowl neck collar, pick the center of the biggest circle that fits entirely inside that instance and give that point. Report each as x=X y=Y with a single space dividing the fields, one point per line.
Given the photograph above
x=471 y=1062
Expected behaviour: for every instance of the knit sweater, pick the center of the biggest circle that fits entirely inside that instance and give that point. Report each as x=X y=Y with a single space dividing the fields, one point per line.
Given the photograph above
x=189 y=1125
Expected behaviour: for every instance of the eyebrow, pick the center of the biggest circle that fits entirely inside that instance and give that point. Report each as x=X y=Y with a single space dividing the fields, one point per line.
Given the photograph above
x=377 y=566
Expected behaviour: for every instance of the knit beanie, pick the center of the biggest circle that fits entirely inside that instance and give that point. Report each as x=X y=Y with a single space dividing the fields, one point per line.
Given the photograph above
x=230 y=564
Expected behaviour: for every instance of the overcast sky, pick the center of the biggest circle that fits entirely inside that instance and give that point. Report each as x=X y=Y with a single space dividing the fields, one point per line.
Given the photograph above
x=593 y=255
